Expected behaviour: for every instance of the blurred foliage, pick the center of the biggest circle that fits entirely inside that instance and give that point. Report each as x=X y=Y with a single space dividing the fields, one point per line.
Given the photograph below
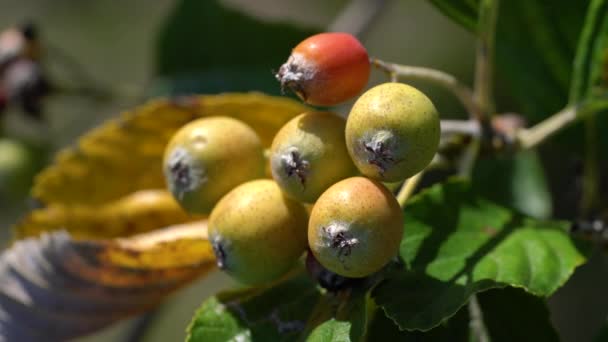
x=545 y=52
x=517 y=182
x=206 y=47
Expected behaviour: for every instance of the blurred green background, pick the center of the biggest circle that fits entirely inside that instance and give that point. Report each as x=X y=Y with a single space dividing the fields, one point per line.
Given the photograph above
x=138 y=49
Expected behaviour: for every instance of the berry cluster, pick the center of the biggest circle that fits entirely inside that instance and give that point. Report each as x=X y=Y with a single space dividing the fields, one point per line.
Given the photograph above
x=326 y=193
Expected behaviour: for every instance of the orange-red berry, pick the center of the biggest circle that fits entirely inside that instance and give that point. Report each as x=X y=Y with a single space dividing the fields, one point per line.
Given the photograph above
x=326 y=69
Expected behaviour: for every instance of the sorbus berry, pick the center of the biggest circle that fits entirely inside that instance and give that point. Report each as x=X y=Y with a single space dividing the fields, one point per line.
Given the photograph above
x=392 y=132
x=355 y=227
x=257 y=232
x=326 y=69
x=208 y=157
x=309 y=154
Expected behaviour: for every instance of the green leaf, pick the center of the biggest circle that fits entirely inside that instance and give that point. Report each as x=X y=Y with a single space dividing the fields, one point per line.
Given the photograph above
x=511 y=314
x=339 y=318
x=291 y=310
x=456 y=329
x=590 y=75
x=516 y=181
x=227 y=50
x=463 y=12
x=277 y=313
x=456 y=244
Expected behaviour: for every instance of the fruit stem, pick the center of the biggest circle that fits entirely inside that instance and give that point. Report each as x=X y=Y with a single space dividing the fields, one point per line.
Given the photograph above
x=440 y=78
x=408 y=188
x=484 y=61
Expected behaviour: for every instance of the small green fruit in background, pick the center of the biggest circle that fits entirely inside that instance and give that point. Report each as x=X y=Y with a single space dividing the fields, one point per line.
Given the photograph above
x=309 y=154
x=19 y=162
x=209 y=157
x=257 y=232
x=355 y=227
x=392 y=132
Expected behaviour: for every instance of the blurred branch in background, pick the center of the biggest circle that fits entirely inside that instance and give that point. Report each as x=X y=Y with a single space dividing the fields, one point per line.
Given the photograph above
x=357 y=17
x=84 y=83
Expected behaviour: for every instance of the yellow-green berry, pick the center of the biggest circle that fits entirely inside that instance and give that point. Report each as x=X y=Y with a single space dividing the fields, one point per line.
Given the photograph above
x=392 y=132
x=309 y=154
x=355 y=227
x=257 y=232
x=208 y=157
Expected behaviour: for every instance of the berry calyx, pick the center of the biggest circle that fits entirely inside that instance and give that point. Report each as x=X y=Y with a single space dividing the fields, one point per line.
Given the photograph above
x=392 y=132
x=257 y=233
x=355 y=227
x=207 y=158
x=309 y=154
x=326 y=69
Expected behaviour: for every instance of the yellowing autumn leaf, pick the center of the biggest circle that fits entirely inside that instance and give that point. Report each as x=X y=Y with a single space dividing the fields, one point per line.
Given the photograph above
x=57 y=288
x=139 y=212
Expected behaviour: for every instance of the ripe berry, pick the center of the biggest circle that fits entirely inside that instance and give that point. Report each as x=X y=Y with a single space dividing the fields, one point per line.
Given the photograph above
x=326 y=69
x=392 y=132
x=309 y=154
x=355 y=227
x=208 y=157
x=257 y=232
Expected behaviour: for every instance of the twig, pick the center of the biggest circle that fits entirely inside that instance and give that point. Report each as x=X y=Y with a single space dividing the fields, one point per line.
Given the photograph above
x=461 y=91
x=483 y=88
x=531 y=137
x=468 y=158
x=466 y=127
x=408 y=188
x=86 y=83
x=476 y=320
x=357 y=16
x=484 y=61
x=591 y=178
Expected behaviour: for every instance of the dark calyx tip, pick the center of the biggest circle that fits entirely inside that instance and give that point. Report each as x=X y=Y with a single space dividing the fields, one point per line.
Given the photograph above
x=295 y=166
x=379 y=155
x=220 y=254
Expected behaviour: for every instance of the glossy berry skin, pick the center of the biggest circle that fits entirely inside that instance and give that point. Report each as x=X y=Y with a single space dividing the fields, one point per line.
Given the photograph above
x=392 y=132
x=309 y=154
x=257 y=233
x=326 y=69
x=355 y=227
x=209 y=157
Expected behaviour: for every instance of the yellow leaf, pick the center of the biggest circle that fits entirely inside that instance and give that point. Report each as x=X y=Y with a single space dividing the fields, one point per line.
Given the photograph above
x=56 y=288
x=139 y=212
x=184 y=245
x=125 y=154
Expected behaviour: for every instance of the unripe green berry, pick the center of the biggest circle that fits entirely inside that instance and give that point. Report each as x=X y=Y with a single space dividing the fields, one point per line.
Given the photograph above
x=392 y=132
x=208 y=157
x=257 y=233
x=309 y=154
x=355 y=227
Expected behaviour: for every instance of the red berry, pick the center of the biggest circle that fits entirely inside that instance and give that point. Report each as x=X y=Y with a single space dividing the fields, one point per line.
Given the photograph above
x=326 y=69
